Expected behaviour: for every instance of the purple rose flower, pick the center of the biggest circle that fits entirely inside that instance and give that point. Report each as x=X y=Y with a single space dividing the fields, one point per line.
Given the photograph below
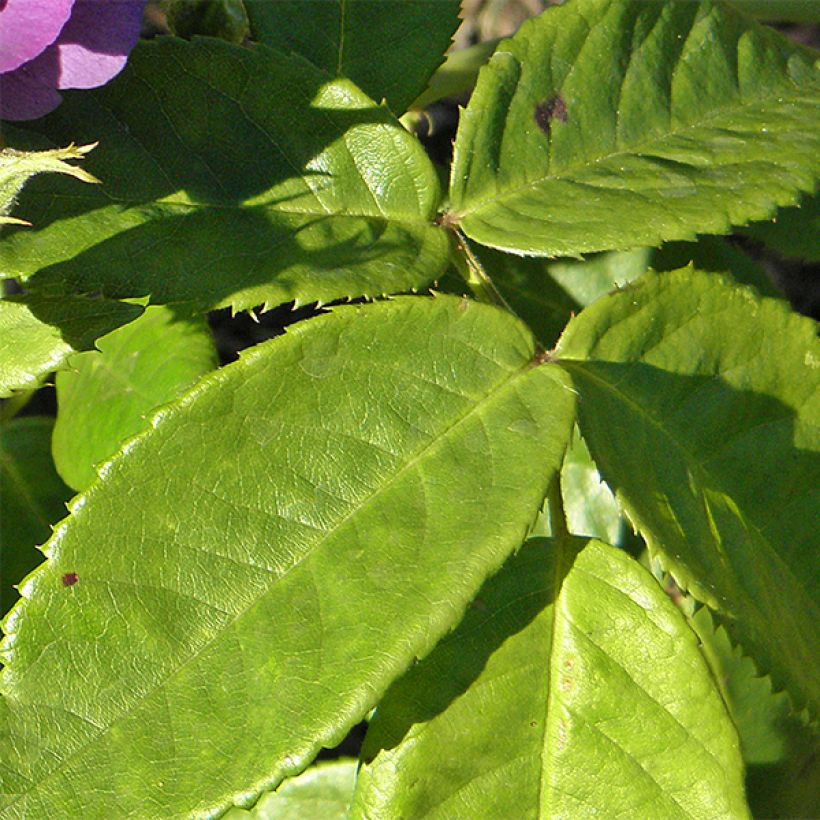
x=47 y=45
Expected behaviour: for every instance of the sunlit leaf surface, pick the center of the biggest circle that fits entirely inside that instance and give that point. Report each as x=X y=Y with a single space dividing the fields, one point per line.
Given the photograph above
x=560 y=695
x=612 y=124
x=700 y=404
x=248 y=576
x=105 y=396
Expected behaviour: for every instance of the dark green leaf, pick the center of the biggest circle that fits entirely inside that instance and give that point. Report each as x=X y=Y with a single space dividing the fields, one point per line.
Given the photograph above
x=389 y=48
x=232 y=177
x=793 y=232
x=717 y=255
x=32 y=499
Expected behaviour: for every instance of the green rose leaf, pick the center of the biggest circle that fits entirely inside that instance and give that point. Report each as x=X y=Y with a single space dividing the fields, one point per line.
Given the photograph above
x=17 y=167
x=561 y=692
x=244 y=580
x=38 y=334
x=700 y=403
x=389 y=48
x=247 y=178
x=32 y=498
x=323 y=791
x=591 y=508
x=611 y=124
x=106 y=395
x=780 y=751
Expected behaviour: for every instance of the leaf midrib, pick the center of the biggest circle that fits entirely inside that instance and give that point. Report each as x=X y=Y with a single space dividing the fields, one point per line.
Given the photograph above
x=497 y=391
x=572 y=173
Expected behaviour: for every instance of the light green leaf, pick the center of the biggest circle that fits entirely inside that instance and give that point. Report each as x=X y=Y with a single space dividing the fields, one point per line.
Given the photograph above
x=457 y=74
x=256 y=568
x=590 y=506
x=612 y=124
x=558 y=696
x=32 y=498
x=322 y=792
x=389 y=48
x=233 y=177
x=780 y=751
x=17 y=167
x=106 y=395
x=37 y=334
x=793 y=232
x=700 y=404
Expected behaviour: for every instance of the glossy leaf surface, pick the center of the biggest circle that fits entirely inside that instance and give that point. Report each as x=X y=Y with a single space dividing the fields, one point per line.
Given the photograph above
x=32 y=498
x=389 y=48
x=232 y=177
x=611 y=124
x=558 y=696
x=323 y=792
x=252 y=572
x=107 y=395
x=700 y=404
x=38 y=334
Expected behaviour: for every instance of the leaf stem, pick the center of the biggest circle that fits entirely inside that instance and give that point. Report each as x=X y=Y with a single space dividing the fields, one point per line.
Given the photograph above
x=476 y=277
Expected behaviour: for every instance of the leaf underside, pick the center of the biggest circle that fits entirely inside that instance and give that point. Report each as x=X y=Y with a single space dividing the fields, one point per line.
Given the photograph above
x=699 y=402
x=253 y=571
x=561 y=691
x=606 y=124
x=232 y=177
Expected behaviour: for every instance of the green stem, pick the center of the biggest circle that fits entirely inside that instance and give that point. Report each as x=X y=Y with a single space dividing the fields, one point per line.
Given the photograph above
x=11 y=406
x=476 y=277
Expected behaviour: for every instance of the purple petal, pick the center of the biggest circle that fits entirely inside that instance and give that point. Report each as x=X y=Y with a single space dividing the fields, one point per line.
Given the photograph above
x=27 y=27
x=25 y=95
x=96 y=42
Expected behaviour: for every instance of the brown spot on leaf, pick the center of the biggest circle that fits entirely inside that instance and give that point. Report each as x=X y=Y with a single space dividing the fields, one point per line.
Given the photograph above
x=549 y=110
x=70 y=578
